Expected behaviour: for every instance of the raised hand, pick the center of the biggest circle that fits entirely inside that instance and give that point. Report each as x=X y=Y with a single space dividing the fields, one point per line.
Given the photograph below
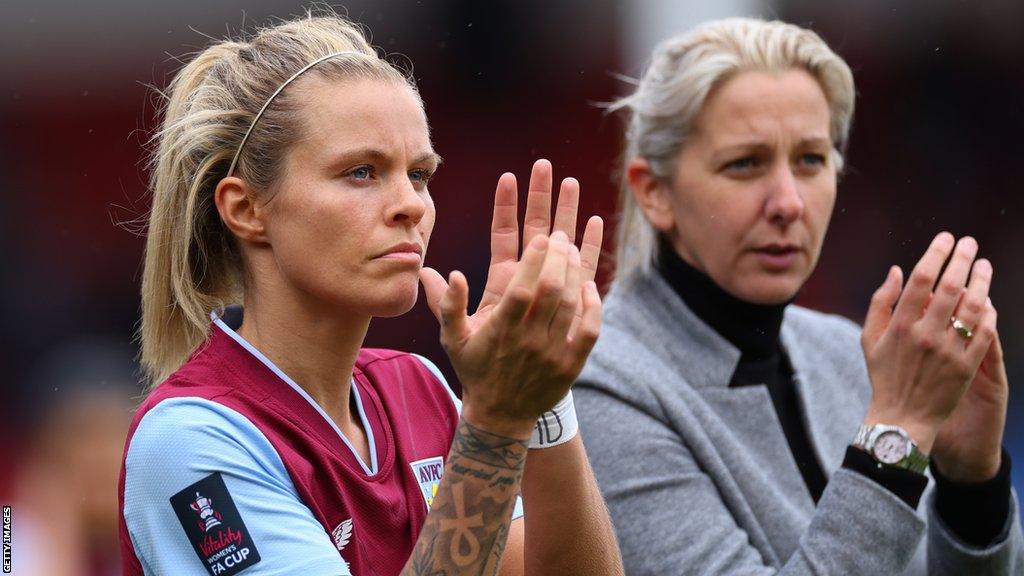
x=968 y=448
x=505 y=236
x=538 y=319
x=919 y=365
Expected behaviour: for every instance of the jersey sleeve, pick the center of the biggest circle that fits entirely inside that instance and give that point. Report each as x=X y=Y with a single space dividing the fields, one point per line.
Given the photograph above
x=206 y=493
x=518 y=511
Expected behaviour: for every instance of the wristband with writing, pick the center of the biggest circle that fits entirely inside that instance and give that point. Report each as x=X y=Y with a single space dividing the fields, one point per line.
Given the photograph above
x=556 y=426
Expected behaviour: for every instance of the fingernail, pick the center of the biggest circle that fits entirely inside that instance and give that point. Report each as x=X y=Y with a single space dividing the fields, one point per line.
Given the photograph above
x=539 y=242
x=945 y=238
x=891 y=275
x=559 y=236
x=969 y=243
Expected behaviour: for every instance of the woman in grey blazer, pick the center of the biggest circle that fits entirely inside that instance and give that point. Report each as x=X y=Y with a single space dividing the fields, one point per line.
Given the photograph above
x=735 y=433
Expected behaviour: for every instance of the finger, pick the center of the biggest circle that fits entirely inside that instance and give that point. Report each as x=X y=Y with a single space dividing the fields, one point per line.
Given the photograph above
x=550 y=284
x=590 y=249
x=590 y=256
x=562 y=321
x=919 y=285
x=434 y=287
x=589 y=328
x=882 y=302
x=973 y=299
x=454 y=323
x=537 y=220
x=951 y=285
x=984 y=334
x=505 y=220
x=517 y=298
x=504 y=238
x=993 y=363
x=568 y=207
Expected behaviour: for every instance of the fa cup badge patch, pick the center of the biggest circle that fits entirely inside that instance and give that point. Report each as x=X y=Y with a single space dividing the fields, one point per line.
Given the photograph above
x=214 y=527
x=428 y=474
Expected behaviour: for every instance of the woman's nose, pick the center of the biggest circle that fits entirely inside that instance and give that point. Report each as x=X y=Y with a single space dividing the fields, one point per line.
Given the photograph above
x=408 y=205
x=784 y=203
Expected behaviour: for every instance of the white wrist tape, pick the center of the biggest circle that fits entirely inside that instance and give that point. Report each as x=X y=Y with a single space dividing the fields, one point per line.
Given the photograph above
x=556 y=426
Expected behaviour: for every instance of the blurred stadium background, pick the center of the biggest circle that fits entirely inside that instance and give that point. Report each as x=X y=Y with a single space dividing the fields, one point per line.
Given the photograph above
x=936 y=145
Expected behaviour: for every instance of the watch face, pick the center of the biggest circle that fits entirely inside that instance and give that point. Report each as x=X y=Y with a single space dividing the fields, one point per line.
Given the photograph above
x=890 y=447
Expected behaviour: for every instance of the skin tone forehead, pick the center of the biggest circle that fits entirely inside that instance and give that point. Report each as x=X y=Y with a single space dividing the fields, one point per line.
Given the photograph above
x=750 y=109
x=342 y=117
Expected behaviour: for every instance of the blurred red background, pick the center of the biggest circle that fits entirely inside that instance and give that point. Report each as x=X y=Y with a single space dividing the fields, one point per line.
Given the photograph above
x=936 y=145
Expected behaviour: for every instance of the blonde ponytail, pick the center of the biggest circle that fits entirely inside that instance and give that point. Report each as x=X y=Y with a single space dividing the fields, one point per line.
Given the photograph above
x=192 y=263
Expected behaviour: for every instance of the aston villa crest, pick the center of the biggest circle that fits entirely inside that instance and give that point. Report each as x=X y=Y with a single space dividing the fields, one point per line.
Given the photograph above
x=428 y=474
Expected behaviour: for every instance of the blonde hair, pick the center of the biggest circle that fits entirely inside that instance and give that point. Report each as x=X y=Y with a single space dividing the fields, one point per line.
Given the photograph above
x=192 y=263
x=672 y=90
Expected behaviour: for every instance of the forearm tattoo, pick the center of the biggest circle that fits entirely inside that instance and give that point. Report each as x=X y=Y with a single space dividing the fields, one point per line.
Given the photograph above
x=466 y=530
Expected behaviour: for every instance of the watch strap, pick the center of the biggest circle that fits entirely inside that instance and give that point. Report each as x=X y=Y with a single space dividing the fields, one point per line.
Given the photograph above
x=917 y=460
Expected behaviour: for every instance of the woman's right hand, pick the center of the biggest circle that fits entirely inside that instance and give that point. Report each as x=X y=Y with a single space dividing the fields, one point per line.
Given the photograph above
x=919 y=365
x=519 y=353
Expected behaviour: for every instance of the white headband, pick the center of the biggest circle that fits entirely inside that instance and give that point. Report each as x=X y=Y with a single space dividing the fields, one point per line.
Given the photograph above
x=234 y=161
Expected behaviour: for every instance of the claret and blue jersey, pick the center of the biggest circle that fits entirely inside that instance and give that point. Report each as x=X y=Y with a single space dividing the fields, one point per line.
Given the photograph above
x=231 y=467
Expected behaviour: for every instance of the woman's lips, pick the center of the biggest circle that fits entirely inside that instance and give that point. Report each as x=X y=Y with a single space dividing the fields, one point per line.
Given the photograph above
x=777 y=258
x=403 y=257
x=405 y=252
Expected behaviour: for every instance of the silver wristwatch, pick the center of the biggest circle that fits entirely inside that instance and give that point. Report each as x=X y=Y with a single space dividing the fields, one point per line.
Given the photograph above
x=891 y=446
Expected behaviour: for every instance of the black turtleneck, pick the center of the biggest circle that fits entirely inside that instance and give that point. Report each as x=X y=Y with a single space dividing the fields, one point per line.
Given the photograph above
x=976 y=513
x=754 y=330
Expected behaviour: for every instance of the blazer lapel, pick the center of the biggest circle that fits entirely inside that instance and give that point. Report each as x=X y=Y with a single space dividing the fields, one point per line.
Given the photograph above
x=833 y=402
x=742 y=422
x=646 y=307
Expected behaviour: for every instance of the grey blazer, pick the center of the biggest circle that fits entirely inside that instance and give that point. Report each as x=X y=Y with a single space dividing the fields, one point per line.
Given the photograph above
x=699 y=477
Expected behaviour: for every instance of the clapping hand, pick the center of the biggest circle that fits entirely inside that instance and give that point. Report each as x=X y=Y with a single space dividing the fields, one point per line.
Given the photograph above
x=540 y=314
x=968 y=447
x=946 y=388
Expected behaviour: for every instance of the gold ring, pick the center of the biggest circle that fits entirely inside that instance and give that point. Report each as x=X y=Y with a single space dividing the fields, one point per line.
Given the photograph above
x=961 y=328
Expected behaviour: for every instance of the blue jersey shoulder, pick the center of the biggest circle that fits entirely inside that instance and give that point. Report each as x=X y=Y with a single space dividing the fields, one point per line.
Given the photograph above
x=205 y=492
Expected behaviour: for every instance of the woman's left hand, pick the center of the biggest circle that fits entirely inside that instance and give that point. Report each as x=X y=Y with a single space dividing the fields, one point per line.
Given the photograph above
x=505 y=240
x=968 y=447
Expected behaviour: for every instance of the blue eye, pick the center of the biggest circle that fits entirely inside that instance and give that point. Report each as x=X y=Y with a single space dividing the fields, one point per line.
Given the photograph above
x=741 y=165
x=361 y=173
x=421 y=176
x=814 y=159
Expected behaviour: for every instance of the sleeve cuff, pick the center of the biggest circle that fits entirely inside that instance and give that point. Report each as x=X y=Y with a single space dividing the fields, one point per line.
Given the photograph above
x=975 y=513
x=906 y=485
